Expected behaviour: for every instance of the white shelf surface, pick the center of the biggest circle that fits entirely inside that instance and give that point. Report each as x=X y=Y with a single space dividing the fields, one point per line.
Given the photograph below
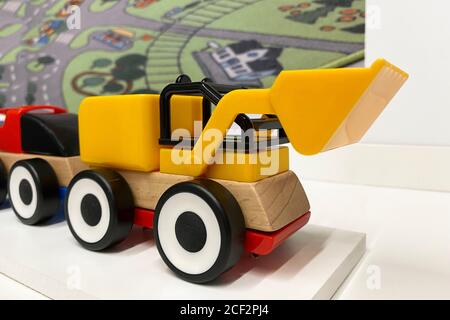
x=13 y=290
x=408 y=255
x=408 y=238
x=311 y=265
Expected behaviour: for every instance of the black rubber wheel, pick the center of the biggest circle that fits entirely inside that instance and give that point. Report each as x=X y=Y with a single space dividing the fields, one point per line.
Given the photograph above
x=199 y=230
x=3 y=184
x=99 y=208
x=33 y=191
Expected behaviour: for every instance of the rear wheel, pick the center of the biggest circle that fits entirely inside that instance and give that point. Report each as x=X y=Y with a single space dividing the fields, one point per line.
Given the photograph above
x=99 y=209
x=33 y=191
x=199 y=230
x=3 y=183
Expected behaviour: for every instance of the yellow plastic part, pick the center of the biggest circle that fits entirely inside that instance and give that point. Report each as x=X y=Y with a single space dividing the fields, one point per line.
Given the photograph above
x=235 y=166
x=319 y=109
x=255 y=101
x=120 y=132
x=185 y=110
x=326 y=109
x=123 y=131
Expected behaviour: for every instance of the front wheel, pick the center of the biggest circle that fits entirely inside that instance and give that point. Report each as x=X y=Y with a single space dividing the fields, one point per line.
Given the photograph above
x=199 y=230
x=99 y=208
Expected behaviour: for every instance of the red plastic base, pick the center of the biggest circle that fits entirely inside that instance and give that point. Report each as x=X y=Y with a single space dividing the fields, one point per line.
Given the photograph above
x=144 y=218
x=263 y=243
x=256 y=242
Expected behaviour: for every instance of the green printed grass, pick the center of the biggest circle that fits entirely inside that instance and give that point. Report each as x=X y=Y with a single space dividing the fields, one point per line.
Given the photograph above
x=37 y=2
x=22 y=11
x=32 y=33
x=265 y=17
x=10 y=30
x=35 y=67
x=11 y=56
x=84 y=62
x=53 y=11
x=345 y=60
x=156 y=10
x=102 y=5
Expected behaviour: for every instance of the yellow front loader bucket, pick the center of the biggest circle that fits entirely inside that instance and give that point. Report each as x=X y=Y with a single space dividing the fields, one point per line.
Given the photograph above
x=326 y=109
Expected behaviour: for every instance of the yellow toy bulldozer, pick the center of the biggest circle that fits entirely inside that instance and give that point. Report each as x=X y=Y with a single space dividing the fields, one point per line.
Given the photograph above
x=172 y=162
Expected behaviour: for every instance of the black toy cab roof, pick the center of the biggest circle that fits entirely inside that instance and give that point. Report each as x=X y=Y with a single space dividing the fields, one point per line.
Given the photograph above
x=50 y=134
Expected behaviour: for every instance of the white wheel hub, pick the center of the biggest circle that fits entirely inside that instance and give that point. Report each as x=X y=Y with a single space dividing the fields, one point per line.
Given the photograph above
x=188 y=262
x=86 y=232
x=18 y=176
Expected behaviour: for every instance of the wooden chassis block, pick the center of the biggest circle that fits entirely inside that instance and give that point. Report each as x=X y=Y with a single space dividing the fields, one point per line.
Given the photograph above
x=268 y=205
x=65 y=168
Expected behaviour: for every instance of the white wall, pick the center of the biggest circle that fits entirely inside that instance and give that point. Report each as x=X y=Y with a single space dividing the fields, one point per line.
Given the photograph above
x=415 y=35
